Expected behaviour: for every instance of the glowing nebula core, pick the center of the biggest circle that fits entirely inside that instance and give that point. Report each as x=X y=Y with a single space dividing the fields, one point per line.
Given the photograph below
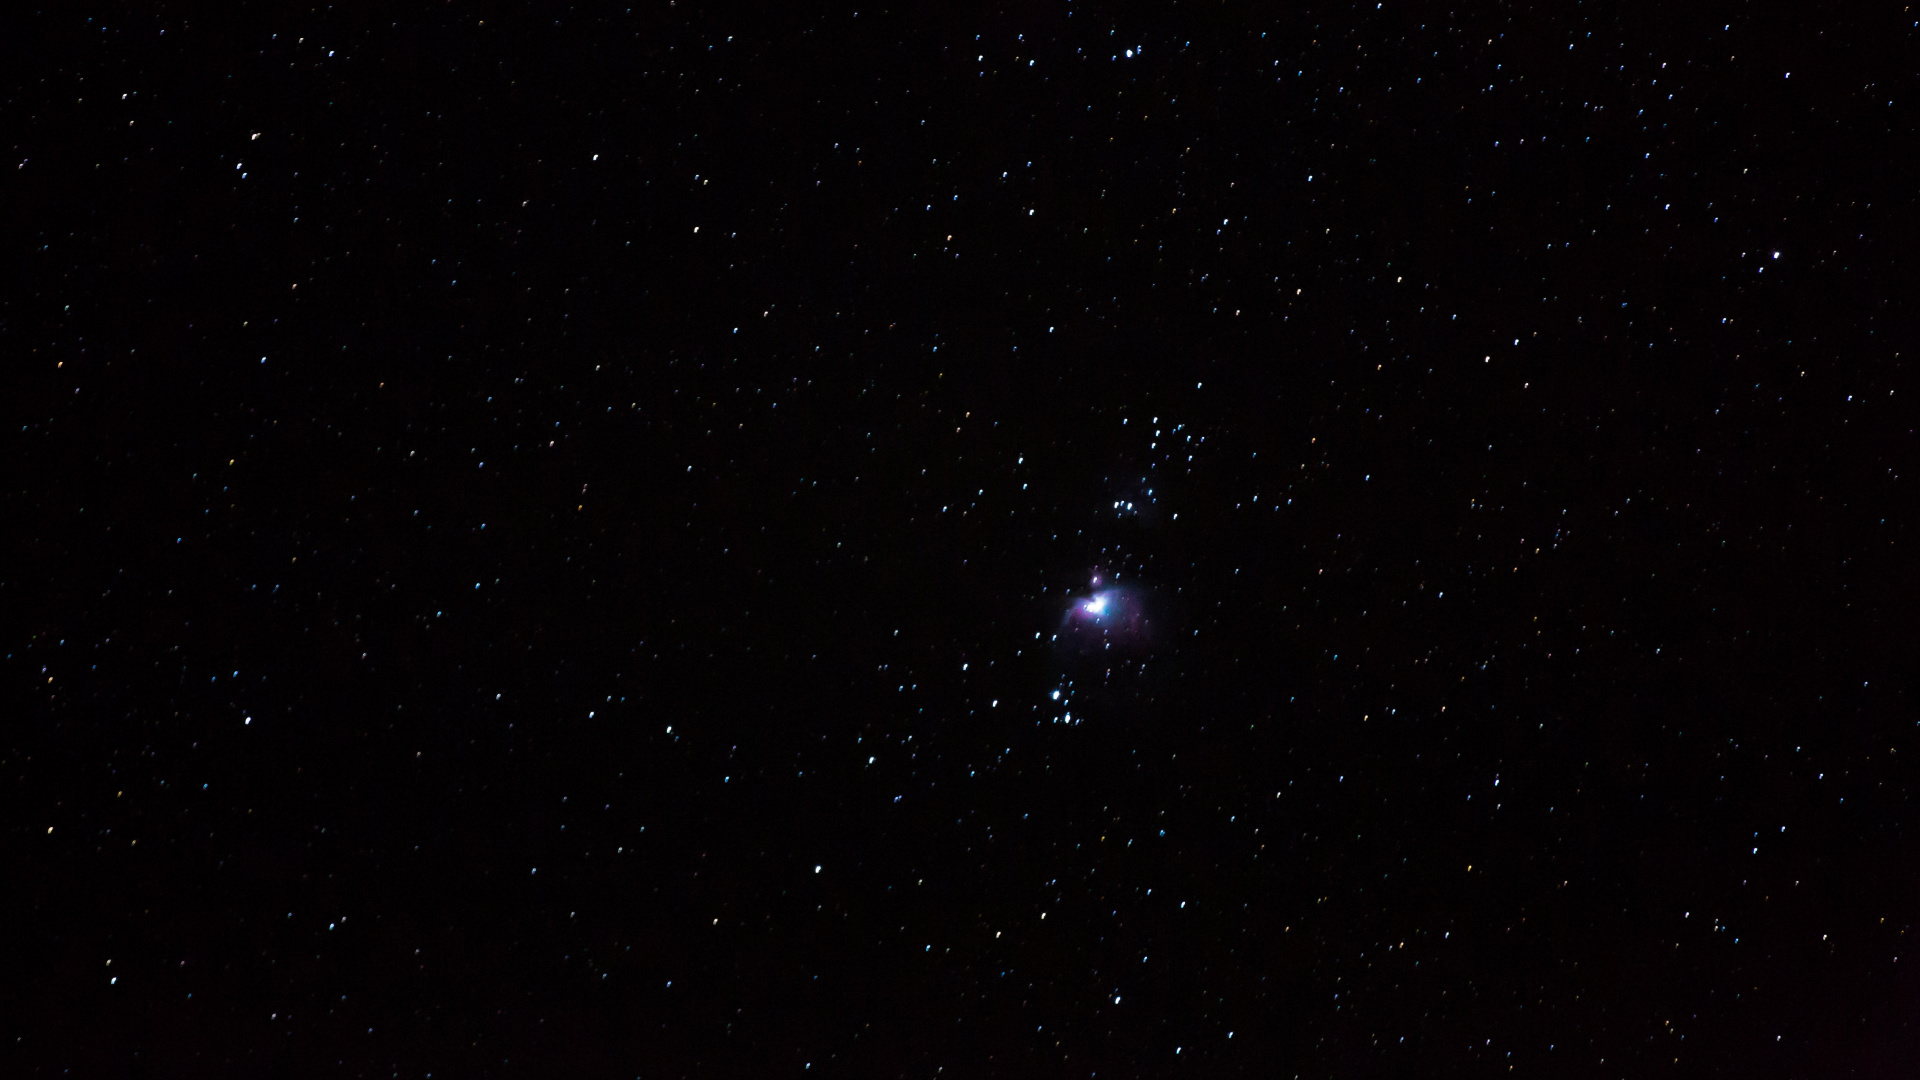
x=1113 y=617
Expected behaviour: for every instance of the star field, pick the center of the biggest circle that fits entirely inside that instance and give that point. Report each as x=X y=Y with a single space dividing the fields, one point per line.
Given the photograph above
x=1056 y=540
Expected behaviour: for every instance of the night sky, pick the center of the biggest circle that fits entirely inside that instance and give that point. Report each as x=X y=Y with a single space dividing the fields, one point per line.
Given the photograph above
x=1040 y=540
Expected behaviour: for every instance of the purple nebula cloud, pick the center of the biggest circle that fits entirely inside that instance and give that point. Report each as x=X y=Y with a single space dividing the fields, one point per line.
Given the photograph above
x=1108 y=618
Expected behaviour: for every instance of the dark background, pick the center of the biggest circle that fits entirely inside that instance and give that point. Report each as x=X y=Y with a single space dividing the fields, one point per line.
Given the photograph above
x=462 y=620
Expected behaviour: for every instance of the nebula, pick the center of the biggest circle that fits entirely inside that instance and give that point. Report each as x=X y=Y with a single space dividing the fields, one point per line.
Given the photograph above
x=1110 y=617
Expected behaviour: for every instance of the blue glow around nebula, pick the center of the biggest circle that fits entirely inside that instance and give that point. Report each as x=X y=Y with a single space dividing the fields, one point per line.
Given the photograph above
x=1112 y=616
x=1108 y=632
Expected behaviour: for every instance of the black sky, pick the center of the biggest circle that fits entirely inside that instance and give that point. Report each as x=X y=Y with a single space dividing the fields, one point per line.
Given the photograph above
x=541 y=541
